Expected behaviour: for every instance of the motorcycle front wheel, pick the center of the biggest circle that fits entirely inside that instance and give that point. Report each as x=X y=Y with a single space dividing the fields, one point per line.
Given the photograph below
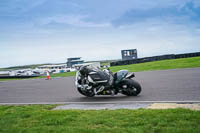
x=130 y=87
x=86 y=93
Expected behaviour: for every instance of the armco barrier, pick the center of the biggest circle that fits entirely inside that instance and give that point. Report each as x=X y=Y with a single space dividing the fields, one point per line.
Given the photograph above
x=154 y=58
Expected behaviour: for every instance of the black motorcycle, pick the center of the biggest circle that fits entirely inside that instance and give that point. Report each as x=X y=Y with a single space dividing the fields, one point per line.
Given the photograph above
x=92 y=81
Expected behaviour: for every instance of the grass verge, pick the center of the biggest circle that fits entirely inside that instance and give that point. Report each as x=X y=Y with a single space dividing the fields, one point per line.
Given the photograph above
x=67 y=74
x=40 y=118
x=161 y=65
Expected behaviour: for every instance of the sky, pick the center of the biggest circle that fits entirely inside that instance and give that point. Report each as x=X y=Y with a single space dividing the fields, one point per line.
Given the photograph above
x=50 y=31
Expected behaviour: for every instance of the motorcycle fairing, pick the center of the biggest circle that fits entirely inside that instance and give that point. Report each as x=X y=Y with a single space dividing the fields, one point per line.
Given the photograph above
x=130 y=75
x=99 y=76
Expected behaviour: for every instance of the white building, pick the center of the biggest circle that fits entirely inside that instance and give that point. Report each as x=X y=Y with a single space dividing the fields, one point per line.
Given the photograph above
x=56 y=68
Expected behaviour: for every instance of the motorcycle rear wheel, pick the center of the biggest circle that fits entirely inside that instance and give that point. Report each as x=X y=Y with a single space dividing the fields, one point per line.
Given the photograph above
x=133 y=87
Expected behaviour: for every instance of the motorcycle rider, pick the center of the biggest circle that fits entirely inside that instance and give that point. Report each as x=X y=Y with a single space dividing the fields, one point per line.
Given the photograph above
x=85 y=70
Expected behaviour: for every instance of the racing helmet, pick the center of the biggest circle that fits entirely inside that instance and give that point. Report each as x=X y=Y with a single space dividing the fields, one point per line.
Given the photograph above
x=84 y=70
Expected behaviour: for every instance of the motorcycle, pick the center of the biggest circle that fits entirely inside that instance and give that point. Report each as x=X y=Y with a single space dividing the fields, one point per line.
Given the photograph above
x=92 y=81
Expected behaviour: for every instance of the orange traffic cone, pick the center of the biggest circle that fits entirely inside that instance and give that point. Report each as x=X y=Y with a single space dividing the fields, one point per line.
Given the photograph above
x=48 y=75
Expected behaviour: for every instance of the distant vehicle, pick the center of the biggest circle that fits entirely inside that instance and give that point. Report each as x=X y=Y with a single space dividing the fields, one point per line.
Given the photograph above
x=25 y=73
x=92 y=81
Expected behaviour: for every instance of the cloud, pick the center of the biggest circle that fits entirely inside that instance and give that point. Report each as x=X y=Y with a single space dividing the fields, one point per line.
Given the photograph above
x=196 y=3
x=39 y=31
x=18 y=7
x=73 y=20
x=178 y=14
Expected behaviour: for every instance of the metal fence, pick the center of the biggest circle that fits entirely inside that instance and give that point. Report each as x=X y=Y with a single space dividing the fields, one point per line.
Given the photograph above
x=154 y=58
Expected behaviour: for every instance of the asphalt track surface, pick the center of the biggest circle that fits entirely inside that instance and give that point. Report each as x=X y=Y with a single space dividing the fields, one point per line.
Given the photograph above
x=164 y=85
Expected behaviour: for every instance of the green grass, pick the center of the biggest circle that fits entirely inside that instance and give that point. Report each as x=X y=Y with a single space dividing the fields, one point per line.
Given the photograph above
x=149 y=66
x=3 y=69
x=66 y=74
x=40 y=118
x=160 y=65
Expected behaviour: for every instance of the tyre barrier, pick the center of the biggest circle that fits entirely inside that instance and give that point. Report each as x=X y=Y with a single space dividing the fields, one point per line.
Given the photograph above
x=154 y=58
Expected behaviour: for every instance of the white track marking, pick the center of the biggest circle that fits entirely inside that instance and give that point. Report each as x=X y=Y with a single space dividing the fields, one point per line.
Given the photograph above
x=114 y=102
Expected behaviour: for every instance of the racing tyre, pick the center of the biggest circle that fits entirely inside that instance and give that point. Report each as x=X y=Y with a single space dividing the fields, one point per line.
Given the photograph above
x=130 y=87
x=86 y=93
